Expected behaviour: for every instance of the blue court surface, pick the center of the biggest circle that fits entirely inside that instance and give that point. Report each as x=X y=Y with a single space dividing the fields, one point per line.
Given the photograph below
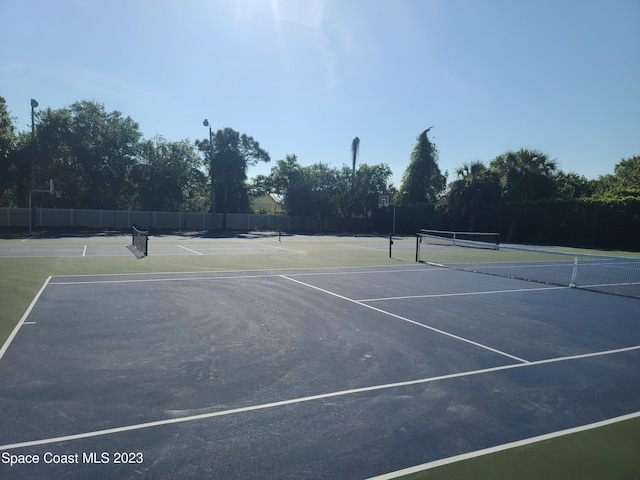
x=346 y=373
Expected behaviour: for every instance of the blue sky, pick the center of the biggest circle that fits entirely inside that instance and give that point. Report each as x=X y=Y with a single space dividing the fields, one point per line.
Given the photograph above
x=305 y=77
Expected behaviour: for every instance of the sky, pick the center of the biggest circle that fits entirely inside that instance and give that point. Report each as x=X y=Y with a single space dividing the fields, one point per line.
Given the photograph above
x=305 y=77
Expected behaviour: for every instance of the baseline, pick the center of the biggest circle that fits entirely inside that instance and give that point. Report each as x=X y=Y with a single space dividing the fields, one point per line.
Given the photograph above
x=228 y=274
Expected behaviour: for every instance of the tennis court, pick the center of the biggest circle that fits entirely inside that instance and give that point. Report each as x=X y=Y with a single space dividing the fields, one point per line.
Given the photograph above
x=80 y=249
x=348 y=373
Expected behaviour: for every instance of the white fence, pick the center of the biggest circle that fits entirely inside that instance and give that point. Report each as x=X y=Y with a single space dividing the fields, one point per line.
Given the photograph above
x=121 y=219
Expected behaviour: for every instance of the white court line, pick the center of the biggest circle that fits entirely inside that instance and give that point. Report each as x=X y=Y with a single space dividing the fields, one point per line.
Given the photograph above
x=34 y=236
x=24 y=317
x=280 y=248
x=438 y=295
x=408 y=320
x=506 y=446
x=188 y=249
x=202 y=416
x=257 y=274
x=360 y=246
x=155 y=280
x=84 y=251
x=317 y=270
x=408 y=268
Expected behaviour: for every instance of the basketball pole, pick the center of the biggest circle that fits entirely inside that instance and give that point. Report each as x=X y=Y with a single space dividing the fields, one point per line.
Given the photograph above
x=46 y=188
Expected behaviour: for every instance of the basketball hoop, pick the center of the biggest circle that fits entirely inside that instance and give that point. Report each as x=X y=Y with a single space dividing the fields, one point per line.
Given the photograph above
x=383 y=201
x=58 y=193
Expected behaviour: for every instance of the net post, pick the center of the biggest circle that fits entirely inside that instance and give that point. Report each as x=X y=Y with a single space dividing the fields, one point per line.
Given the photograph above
x=417 y=246
x=139 y=242
x=574 y=272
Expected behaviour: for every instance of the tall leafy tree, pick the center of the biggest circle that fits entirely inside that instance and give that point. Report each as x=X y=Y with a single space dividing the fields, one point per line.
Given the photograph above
x=168 y=176
x=322 y=190
x=627 y=171
x=286 y=178
x=369 y=183
x=422 y=181
x=474 y=189
x=7 y=146
x=316 y=193
x=231 y=154
x=525 y=175
x=89 y=152
x=570 y=185
x=308 y=190
x=624 y=182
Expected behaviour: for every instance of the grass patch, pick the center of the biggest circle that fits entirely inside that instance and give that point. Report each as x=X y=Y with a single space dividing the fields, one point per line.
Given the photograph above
x=611 y=452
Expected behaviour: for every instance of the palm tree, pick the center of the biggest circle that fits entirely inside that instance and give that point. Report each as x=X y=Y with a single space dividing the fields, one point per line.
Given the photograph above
x=525 y=175
x=475 y=187
x=355 y=148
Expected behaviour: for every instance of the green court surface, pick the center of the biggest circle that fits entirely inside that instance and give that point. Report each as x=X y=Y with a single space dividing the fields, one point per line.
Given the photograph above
x=605 y=452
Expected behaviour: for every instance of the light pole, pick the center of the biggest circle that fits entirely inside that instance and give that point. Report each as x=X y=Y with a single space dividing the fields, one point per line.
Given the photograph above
x=213 y=188
x=34 y=104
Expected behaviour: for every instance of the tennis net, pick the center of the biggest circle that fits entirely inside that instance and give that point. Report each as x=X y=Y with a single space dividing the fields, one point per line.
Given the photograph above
x=601 y=273
x=139 y=242
x=460 y=239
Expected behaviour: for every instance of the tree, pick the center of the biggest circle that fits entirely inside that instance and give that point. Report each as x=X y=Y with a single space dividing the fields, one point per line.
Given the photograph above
x=624 y=182
x=313 y=192
x=89 y=152
x=525 y=175
x=570 y=185
x=355 y=149
x=322 y=190
x=371 y=182
x=7 y=146
x=309 y=190
x=283 y=175
x=628 y=172
x=168 y=176
x=473 y=190
x=422 y=181
x=232 y=153
x=362 y=198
